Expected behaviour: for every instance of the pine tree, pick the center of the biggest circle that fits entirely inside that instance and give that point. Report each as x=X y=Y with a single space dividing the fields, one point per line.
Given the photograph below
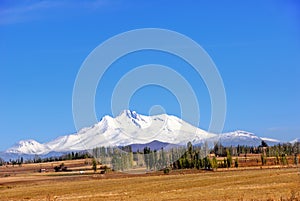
x=94 y=165
x=147 y=157
x=225 y=163
x=296 y=160
x=263 y=159
x=229 y=159
x=214 y=163
x=207 y=163
x=284 y=160
x=2 y=162
x=236 y=162
x=264 y=144
x=130 y=159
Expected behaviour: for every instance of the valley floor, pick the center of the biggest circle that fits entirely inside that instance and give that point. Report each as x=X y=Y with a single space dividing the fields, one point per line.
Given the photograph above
x=253 y=184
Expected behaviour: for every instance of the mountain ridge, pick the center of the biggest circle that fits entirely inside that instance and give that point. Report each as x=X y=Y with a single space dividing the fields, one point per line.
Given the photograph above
x=132 y=128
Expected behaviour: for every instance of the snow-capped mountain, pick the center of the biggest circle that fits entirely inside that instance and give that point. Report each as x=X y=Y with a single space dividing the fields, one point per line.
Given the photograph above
x=295 y=141
x=243 y=138
x=155 y=145
x=271 y=141
x=127 y=128
x=28 y=147
x=132 y=128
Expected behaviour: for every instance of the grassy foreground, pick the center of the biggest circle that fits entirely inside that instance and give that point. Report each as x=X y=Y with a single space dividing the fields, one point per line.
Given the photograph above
x=264 y=184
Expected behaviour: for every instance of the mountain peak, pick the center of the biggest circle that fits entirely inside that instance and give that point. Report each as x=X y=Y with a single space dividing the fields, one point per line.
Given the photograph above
x=133 y=128
x=296 y=140
x=27 y=146
x=241 y=132
x=132 y=117
x=130 y=114
x=27 y=142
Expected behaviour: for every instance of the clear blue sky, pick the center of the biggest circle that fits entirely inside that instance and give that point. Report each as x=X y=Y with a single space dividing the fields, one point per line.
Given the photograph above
x=254 y=44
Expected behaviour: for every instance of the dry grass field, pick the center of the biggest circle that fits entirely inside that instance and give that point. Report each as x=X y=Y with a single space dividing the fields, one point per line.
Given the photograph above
x=235 y=184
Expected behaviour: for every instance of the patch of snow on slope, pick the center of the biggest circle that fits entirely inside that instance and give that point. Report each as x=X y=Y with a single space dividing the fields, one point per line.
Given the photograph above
x=28 y=147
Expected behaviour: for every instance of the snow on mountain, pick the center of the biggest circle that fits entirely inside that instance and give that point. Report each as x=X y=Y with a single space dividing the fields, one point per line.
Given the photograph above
x=132 y=128
x=243 y=138
x=28 y=147
x=295 y=141
x=270 y=141
x=127 y=128
x=140 y=129
x=238 y=138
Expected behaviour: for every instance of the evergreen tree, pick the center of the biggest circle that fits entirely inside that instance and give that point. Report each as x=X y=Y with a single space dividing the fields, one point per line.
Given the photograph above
x=207 y=163
x=147 y=157
x=277 y=162
x=264 y=144
x=94 y=165
x=263 y=159
x=296 y=161
x=229 y=159
x=225 y=163
x=130 y=159
x=163 y=158
x=214 y=163
x=2 y=162
x=283 y=159
x=236 y=162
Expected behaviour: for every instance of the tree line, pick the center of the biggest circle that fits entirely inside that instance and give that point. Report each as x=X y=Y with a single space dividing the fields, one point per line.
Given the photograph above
x=38 y=159
x=199 y=157
x=177 y=157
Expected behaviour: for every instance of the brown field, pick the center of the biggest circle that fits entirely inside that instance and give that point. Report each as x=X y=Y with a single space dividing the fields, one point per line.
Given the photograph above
x=25 y=183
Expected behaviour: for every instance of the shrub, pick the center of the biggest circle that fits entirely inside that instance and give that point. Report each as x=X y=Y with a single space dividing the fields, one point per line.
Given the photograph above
x=214 y=163
x=166 y=171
